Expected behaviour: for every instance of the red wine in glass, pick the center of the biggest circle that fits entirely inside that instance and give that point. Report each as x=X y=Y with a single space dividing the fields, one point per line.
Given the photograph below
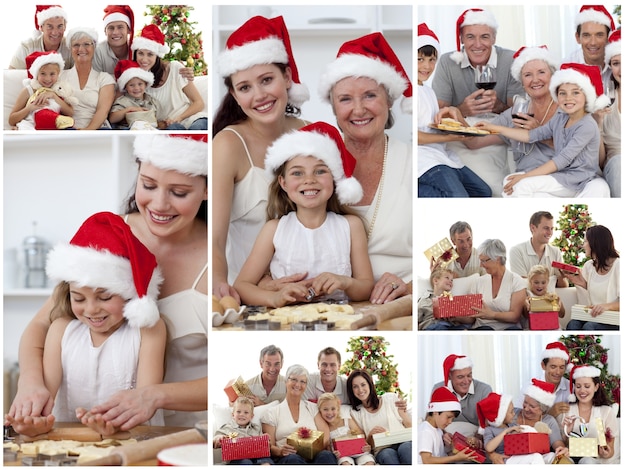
x=486 y=85
x=517 y=116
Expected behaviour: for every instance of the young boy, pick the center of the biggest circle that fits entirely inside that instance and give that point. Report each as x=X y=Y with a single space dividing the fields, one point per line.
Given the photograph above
x=241 y=424
x=132 y=82
x=441 y=281
x=444 y=406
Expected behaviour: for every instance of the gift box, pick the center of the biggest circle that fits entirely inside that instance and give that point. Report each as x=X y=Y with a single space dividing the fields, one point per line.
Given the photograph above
x=253 y=447
x=583 y=447
x=545 y=303
x=447 y=306
x=307 y=442
x=543 y=320
x=388 y=438
x=608 y=317
x=601 y=432
x=237 y=388
x=459 y=443
x=526 y=443
x=442 y=249
x=565 y=267
x=349 y=446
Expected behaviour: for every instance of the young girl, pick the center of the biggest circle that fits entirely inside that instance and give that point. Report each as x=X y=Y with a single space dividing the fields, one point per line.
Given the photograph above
x=440 y=171
x=309 y=229
x=577 y=89
x=106 y=334
x=538 y=284
x=441 y=281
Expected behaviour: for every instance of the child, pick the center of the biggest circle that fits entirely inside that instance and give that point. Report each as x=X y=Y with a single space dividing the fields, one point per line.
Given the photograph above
x=538 y=281
x=132 y=82
x=444 y=406
x=106 y=334
x=39 y=106
x=495 y=414
x=309 y=229
x=330 y=409
x=241 y=424
x=441 y=281
x=577 y=89
x=440 y=171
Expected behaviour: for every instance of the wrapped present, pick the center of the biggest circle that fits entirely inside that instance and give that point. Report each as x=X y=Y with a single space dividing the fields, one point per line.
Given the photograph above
x=565 y=267
x=237 y=388
x=583 y=447
x=388 y=438
x=543 y=320
x=459 y=443
x=443 y=250
x=253 y=447
x=350 y=445
x=545 y=303
x=526 y=443
x=307 y=442
x=581 y=312
x=447 y=305
x=601 y=432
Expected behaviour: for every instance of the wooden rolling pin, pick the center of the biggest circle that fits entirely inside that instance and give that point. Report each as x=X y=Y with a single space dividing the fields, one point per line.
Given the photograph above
x=148 y=449
x=375 y=314
x=81 y=434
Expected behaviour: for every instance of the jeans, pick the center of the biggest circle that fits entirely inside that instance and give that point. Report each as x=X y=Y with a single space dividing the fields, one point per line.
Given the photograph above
x=589 y=326
x=324 y=457
x=444 y=181
x=613 y=175
x=259 y=461
x=200 y=124
x=445 y=325
x=397 y=454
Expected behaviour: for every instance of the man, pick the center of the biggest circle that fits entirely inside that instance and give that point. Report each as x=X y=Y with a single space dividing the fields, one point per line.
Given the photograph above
x=467 y=263
x=538 y=250
x=454 y=80
x=269 y=385
x=326 y=379
x=119 y=25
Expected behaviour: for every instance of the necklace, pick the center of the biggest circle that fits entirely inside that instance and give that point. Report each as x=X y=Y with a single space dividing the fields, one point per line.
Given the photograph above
x=380 y=190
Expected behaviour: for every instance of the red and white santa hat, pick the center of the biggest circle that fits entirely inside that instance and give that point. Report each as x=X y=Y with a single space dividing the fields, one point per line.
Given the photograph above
x=578 y=372
x=322 y=141
x=594 y=14
x=588 y=78
x=454 y=362
x=442 y=400
x=426 y=37
x=556 y=350
x=526 y=54
x=541 y=391
x=126 y=70
x=369 y=56
x=261 y=41
x=152 y=39
x=45 y=12
x=492 y=410
x=185 y=153
x=121 y=13
x=471 y=17
x=104 y=253
x=38 y=59
x=614 y=47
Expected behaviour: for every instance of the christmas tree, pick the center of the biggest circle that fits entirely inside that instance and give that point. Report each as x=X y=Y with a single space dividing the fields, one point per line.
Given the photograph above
x=588 y=349
x=370 y=354
x=185 y=44
x=573 y=222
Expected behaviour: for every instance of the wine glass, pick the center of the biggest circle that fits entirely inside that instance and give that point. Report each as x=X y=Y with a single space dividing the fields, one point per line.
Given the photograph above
x=520 y=105
x=485 y=79
x=609 y=90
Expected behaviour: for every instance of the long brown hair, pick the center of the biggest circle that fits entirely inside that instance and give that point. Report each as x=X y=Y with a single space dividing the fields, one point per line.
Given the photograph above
x=62 y=306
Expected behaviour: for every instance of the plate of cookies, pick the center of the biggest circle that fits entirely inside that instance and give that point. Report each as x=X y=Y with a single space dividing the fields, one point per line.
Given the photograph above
x=452 y=126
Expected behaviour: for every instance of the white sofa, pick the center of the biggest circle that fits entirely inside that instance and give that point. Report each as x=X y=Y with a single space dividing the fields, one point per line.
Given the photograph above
x=13 y=84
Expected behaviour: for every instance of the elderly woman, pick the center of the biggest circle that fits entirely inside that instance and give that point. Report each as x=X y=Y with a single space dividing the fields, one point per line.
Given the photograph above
x=361 y=85
x=95 y=90
x=292 y=413
x=611 y=146
x=503 y=291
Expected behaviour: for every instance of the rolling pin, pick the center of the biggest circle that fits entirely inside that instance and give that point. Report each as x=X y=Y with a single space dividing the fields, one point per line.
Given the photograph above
x=81 y=434
x=375 y=314
x=148 y=449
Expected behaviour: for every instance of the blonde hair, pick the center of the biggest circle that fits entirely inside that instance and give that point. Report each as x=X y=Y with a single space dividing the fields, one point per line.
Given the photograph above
x=438 y=273
x=243 y=401
x=62 y=306
x=537 y=270
x=327 y=396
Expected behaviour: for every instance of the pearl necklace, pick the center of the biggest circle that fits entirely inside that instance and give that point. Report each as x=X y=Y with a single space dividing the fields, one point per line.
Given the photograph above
x=380 y=189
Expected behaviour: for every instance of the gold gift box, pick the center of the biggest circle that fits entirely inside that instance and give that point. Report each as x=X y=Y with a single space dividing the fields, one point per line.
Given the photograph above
x=307 y=447
x=544 y=304
x=438 y=249
x=583 y=447
x=237 y=388
x=600 y=431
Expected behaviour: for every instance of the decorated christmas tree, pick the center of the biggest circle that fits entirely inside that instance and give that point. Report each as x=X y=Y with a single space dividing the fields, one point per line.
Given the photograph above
x=370 y=354
x=573 y=222
x=185 y=43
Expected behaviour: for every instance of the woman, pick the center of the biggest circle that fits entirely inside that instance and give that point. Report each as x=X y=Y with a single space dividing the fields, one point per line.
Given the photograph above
x=181 y=101
x=503 y=291
x=168 y=214
x=598 y=281
x=293 y=413
x=261 y=104
x=611 y=147
x=361 y=85
x=591 y=404
x=95 y=90
x=378 y=414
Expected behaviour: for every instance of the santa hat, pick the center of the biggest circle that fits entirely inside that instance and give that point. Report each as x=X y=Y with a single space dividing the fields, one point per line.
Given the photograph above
x=454 y=362
x=492 y=410
x=541 y=391
x=614 y=47
x=442 y=400
x=556 y=350
x=262 y=41
x=595 y=14
x=121 y=13
x=526 y=54
x=369 y=56
x=578 y=372
x=104 y=253
x=81 y=31
x=45 y=12
x=588 y=78
x=185 y=153
x=151 y=39
x=426 y=37
x=471 y=17
x=322 y=141
x=36 y=60
x=125 y=70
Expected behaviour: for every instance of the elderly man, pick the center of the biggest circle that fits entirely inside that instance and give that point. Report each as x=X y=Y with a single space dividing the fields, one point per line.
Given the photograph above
x=326 y=378
x=467 y=263
x=269 y=385
x=538 y=250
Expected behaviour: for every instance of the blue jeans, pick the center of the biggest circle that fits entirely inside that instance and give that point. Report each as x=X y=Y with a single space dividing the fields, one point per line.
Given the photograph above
x=589 y=326
x=324 y=457
x=613 y=175
x=259 y=461
x=200 y=124
x=444 y=181
x=397 y=454
x=445 y=325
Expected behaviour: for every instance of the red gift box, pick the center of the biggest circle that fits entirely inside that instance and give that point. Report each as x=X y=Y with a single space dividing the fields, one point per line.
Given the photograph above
x=565 y=267
x=349 y=445
x=526 y=443
x=456 y=306
x=459 y=441
x=253 y=447
x=543 y=320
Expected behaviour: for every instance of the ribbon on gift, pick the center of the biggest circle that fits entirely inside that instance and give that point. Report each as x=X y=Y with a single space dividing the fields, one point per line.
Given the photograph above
x=304 y=432
x=447 y=294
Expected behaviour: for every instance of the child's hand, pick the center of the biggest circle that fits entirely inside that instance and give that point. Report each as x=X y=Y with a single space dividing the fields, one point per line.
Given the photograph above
x=486 y=126
x=512 y=180
x=366 y=448
x=327 y=283
x=465 y=454
x=217 y=442
x=30 y=426
x=515 y=429
x=95 y=422
x=289 y=294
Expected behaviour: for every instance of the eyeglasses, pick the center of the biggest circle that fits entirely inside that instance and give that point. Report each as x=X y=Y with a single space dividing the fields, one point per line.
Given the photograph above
x=295 y=380
x=483 y=261
x=85 y=45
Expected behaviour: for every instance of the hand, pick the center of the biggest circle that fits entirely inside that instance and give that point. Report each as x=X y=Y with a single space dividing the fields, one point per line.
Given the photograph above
x=366 y=448
x=384 y=290
x=527 y=122
x=30 y=425
x=128 y=408
x=596 y=310
x=486 y=126
x=95 y=422
x=512 y=180
x=289 y=294
x=574 y=278
x=480 y=102
x=447 y=439
x=451 y=112
x=401 y=404
x=287 y=450
x=604 y=452
x=465 y=454
x=376 y=430
x=498 y=459
x=187 y=72
x=326 y=283
x=568 y=423
x=562 y=451
x=267 y=283
x=223 y=289
x=560 y=408
x=31 y=400
x=484 y=313
x=514 y=429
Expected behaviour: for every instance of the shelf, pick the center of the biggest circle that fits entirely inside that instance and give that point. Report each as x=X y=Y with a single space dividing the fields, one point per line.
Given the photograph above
x=24 y=292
